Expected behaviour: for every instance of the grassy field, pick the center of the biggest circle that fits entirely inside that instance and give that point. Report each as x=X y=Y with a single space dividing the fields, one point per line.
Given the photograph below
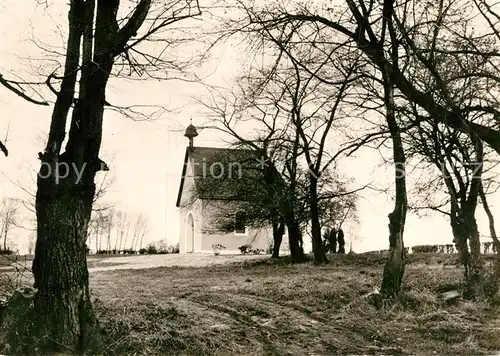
x=106 y=262
x=268 y=308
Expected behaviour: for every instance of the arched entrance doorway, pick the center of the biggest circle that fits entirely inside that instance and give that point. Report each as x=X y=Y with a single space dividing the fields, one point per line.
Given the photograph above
x=190 y=233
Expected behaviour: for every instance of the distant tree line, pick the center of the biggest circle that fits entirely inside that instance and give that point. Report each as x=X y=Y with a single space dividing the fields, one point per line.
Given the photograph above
x=487 y=247
x=159 y=248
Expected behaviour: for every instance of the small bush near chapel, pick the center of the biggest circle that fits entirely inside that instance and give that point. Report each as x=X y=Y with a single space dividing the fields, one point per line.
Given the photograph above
x=217 y=248
x=245 y=249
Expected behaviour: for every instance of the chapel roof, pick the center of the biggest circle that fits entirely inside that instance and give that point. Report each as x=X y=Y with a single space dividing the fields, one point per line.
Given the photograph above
x=202 y=159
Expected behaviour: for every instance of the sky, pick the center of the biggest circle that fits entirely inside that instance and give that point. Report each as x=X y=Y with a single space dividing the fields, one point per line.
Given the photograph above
x=146 y=157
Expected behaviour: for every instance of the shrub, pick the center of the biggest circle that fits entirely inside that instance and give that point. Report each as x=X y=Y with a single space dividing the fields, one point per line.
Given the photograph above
x=142 y=251
x=152 y=249
x=425 y=249
x=162 y=247
x=217 y=248
x=245 y=249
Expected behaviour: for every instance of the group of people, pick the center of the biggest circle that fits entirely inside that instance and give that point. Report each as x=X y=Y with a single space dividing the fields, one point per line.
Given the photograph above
x=334 y=241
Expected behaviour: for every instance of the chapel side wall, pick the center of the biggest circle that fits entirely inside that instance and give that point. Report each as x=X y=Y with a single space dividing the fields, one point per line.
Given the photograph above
x=257 y=238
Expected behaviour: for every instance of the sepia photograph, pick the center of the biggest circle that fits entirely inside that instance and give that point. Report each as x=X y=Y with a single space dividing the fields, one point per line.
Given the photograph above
x=243 y=177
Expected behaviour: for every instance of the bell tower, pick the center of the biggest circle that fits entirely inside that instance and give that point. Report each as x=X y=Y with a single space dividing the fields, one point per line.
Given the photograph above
x=191 y=133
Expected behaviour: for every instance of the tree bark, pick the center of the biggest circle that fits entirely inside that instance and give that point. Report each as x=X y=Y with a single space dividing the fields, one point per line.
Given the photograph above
x=294 y=242
x=475 y=283
x=467 y=242
x=340 y=240
x=278 y=231
x=62 y=304
x=460 y=240
x=332 y=241
x=395 y=265
x=496 y=242
x=317 y=243
x=464 y=224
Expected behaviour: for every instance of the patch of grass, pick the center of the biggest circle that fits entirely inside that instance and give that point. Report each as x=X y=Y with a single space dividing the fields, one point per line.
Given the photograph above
x=269 y=307
x=419 y=301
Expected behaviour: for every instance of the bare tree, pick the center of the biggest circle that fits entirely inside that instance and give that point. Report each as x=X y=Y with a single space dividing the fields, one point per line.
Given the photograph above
x=496 y=242
x=122 y=230
x=100 y=44
x=99 y=225
x=110 y=216
x=329 y=36
x=8 y=218
x=295 y=113
x=313 y=130
x=460 y=160
x=277 y=151
x=408 y=44
x=458 y=72
x=140 y=230
x=31 y=243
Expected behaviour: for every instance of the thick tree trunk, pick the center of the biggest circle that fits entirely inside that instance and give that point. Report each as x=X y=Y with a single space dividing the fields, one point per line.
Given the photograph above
x=475 y=283
x=294 y=242
x=460 y=240
x=340 y=241
x=333 y=241
x=395 y=265
x=467 y=242
x=495 y=283
x=62 y=315
x=62 y=305
x=317 y=243
x=278 y=231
